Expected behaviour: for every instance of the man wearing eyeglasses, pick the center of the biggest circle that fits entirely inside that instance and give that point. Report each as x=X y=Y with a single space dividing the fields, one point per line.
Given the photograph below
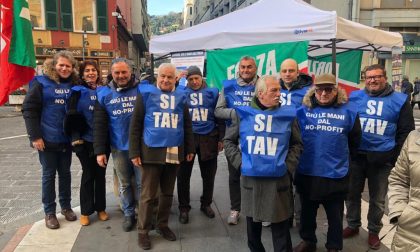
x=330 y=130
x=386 y=119
x=294 y=86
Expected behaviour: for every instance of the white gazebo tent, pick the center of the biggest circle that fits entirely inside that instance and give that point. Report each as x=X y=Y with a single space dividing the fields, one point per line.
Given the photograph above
x=277 y=21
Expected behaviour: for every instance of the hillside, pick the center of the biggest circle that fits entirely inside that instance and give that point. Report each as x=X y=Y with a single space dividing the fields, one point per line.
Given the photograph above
x=165 y=23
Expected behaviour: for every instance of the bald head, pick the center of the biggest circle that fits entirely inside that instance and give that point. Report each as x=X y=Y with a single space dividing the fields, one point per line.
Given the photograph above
x=289 y=71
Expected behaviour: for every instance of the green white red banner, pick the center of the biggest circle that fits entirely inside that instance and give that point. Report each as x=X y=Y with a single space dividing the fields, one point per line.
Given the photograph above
x=17 y=56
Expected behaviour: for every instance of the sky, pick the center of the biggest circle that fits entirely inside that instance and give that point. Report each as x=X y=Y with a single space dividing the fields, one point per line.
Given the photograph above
x=162 y=7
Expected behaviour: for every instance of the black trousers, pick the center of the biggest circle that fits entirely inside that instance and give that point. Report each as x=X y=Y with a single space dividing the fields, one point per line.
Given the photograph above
x=208 y=170
x=280 y=234
x=92 y=187
x=334 y=210
x=234 y=187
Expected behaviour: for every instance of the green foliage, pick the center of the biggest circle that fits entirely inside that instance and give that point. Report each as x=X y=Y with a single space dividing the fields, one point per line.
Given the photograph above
x=166 y=23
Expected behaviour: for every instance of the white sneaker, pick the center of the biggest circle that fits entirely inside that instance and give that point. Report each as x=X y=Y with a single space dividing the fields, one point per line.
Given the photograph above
x=233 y=217
x=266 y=223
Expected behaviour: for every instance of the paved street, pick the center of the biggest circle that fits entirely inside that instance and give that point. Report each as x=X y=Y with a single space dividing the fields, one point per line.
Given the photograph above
x=20 y=205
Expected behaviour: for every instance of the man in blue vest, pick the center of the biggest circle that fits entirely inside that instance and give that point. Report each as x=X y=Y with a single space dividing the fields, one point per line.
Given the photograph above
x=237 y=92
x=294 y=86
x=331 y=133
x=112 y=114
x=161 y=138
x=386 y=119
x=270 y=146
x=208 y=135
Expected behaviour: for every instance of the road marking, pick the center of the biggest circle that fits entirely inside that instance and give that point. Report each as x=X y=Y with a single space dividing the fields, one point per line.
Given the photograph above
x=12 y=137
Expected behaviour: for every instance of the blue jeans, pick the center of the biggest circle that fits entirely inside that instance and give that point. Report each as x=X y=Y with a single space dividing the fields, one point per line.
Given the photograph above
x=377 y=177
x=125 y=170
x=52 y=162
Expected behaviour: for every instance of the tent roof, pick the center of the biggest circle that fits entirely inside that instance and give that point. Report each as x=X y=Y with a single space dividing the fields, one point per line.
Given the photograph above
x=276 y=21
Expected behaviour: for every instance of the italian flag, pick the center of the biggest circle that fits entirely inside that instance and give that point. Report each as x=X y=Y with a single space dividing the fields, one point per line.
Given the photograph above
x=17 y=61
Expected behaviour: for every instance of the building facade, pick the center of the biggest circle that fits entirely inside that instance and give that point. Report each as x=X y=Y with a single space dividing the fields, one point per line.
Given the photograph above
x=99 y=30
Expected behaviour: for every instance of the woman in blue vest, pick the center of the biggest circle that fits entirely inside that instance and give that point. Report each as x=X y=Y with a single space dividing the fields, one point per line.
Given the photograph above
x=44 y=110
x=331 y=132
x=79 y=125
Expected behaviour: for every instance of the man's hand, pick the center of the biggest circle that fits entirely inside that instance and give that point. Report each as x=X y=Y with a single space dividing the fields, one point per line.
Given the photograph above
x=39 y=144
x=136 y=161
x=102 y=161
x=189 y=157
x=220 y=146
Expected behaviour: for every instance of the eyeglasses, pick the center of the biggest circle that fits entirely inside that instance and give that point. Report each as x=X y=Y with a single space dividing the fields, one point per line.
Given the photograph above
x=375 y=77
x=327 y=90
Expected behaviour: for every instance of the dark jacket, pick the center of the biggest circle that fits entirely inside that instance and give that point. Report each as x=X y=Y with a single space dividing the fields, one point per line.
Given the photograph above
x=264 y=198
x=155 y=155
x=208 y=144
x=322 y=188
x=404 y=126
x=101 y=141
x=407 y=88
x=32 y=107
x=303 y=80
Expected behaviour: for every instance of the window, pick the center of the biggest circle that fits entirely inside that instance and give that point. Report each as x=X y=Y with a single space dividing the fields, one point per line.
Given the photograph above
x=191 y=24
x=36 y=10
x=84 y=15
x=190 y=10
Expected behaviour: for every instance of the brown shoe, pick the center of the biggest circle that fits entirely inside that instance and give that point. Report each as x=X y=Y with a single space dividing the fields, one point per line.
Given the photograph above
x=84 y=220
x=69 y=214
x=374 y=242
x=166 y=233
x=144 y=241
x=103 y=216
x=304 y=246
x=51 y=221
x=207 y=211
x=350 y=232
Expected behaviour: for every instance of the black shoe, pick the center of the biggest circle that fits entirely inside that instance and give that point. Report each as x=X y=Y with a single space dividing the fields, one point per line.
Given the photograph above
x=207 y=211
x=144 y=241
x=183 y=217
x=304 y=246
x=166 y=233
x=128 y=223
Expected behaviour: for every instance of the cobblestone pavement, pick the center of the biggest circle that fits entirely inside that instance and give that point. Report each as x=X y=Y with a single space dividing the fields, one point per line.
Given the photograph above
x=20 y=174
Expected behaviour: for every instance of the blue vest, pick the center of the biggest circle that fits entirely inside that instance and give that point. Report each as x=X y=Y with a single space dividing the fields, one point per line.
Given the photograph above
x=264 y=140
x=85 y=106
x=236 y=95
x=294 y=97
x=164 y=117
x=378 y=118
x=201 y=105
x=119 y=106
x=54 y=102
x=324 y=133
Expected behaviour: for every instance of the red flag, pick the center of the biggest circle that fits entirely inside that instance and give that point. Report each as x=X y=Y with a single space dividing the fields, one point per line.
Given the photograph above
x=15 y=71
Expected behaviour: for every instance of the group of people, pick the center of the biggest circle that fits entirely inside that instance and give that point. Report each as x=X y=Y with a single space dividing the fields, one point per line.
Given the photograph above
x=291 y=145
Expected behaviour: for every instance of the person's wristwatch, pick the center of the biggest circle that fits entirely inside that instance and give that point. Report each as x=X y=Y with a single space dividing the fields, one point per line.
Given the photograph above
x=77 y=142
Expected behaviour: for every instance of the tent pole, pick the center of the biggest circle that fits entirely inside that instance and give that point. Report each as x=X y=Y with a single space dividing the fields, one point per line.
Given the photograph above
x=152 y=62
x=334 y=56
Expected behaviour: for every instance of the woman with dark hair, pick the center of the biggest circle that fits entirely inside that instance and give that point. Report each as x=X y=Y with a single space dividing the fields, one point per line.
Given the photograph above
x=44 y=109
x=79 y=125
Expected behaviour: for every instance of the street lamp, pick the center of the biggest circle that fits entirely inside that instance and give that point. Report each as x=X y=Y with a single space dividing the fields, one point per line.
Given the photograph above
x=84 y=44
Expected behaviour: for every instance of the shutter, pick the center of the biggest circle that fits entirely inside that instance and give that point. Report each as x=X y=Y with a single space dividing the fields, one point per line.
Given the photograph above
x=102 y=10
x=66 y=15
x=51 y=18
